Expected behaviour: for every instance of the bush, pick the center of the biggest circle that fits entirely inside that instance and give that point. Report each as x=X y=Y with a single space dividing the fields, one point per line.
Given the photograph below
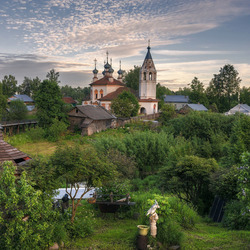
x=17 y=111
x=169 y=233
x=56 y=130
x=234 y=218
x=36 y=134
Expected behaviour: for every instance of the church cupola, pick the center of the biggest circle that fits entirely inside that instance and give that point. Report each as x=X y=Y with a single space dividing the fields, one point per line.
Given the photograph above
x=95 y=72
x=147 y=79
x=120 y=73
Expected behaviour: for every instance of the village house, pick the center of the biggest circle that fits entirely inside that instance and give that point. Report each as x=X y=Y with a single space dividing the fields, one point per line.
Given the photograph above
x=193 y=107
x=241 y=108
x=69 y=100
x=28 y=101
x=104 y=90
x=90 y=119
x=179 y=101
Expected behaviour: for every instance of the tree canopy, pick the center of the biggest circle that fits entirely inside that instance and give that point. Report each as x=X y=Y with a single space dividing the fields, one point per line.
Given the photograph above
x=17 y=110
x=9 y=85
x=29 y=86
x=125 y=105
x=131 y=78
x=49 y=103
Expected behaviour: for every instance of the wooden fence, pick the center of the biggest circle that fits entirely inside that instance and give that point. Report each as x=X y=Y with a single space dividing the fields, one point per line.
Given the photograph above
x=12 y=127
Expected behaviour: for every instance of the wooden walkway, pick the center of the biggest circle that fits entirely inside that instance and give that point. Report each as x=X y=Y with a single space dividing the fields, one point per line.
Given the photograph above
x=12 y=127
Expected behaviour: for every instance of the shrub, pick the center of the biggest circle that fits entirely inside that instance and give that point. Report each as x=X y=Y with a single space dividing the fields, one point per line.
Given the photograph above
x=56 y=130
x=36 y=134
x=169 y=233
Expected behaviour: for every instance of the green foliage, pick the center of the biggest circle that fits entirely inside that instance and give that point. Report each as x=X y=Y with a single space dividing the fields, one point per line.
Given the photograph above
x=76 y=93
x=26 y=217
x=29 y=86
x=36 y=134
x=224 y=88
x=53 y=76
x=56 y=130
x=169 y=233
x=125 y=105
x=167 y=113
x=17 y=110
x=234 y=218
x=131 y=78
x=161 y=91
x=75 y=165
x=3 y=103
x=49 y=104
x=189 y=180
x=245 y=95
x=9 y=85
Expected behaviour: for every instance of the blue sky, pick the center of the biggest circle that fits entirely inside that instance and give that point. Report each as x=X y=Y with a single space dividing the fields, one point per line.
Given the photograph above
x=188 y=38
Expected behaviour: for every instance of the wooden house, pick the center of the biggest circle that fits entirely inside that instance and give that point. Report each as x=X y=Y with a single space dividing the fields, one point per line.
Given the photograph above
x=90 y=119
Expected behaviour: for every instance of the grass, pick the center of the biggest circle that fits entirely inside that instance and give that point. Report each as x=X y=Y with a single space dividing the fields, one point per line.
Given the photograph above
x=119 y=234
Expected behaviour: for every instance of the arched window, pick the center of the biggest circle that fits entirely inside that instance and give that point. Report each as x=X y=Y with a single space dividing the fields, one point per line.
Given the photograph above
x=150 y=76
x=101 y=93
x=145 y=76
x=96 y=94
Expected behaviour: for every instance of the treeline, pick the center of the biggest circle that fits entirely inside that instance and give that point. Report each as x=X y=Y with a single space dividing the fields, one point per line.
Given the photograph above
x=30 y=87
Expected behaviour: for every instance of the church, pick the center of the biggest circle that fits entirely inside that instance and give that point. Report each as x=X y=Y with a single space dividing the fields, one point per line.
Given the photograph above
x=104 y=90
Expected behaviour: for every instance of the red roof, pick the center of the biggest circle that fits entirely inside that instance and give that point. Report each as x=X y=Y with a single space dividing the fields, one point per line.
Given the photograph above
x=113 y=95
x=149 y=100
x=69 y=100
x=105 y=81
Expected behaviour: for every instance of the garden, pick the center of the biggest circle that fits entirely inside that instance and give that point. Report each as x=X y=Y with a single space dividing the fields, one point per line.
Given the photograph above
x=183 y=165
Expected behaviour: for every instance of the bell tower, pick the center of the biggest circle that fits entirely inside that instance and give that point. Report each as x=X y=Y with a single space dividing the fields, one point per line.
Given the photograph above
x=147 y=79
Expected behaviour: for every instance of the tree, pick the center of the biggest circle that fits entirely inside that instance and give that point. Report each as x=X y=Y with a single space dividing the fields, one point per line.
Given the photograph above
x=49 y=104
x=131 y=78
x=17 y=110
x=53 y=76
x=245 y=95
x=3 y=103
x=189 y=180
x=26 y=215
x=76 y=165
x=76 y=93
x=167 y=113
x=197 y=94
x=224 y=88
x=29 y=86
x=9 y=85
x=125 y=105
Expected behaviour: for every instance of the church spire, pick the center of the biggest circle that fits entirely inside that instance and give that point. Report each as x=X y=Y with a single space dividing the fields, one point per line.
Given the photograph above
x=148 y=56
x=95 y=72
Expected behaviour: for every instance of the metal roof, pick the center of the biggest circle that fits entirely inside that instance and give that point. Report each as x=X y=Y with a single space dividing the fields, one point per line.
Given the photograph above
x=95 y=112
x=176 y=99
x=197 y=107
x=242 y=108
x=23 y=98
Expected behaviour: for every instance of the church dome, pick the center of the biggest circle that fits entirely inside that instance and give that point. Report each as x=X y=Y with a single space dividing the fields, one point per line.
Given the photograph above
x=103 y=72
x=107 y=66
x=95 y=71
x=111 y=70
x=120 y=72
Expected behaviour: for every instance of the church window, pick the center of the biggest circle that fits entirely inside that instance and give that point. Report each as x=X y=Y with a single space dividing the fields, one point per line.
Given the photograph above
x=96 y=94
x=150 y=76
x=101 y=93
x=145 y=74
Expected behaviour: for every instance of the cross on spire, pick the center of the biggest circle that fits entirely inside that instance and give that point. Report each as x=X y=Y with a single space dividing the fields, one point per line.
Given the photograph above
x=148 y=42
x=107 y=53
x=95 y=62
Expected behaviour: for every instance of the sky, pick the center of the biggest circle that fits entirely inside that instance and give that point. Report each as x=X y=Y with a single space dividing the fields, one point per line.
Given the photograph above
x=188 y=38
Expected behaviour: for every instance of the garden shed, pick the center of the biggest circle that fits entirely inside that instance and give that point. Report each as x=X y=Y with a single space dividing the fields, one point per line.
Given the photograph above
x=9 y=153
x=90 y=119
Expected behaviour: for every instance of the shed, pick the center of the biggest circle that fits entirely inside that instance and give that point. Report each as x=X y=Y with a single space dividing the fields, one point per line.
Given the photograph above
x=194 y=107
x=90 y=119
x=9 y=153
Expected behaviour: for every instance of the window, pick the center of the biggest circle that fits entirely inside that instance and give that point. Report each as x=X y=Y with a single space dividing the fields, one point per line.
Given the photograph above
x=150 y=76
x=101 y=93
x=145 y=75
x=96 y=94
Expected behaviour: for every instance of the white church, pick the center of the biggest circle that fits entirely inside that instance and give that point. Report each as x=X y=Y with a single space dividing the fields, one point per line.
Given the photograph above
x=104 y=90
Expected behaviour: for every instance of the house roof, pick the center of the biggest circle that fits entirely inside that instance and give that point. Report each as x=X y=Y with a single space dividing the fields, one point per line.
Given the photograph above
x=242 y=108
x=197 y=107
x=23 y=98
x=9 y=153
x=95 y=112
x=176 y=99
x=68 y=99
x=149 y=100
x=106 y=81
x=114 y=94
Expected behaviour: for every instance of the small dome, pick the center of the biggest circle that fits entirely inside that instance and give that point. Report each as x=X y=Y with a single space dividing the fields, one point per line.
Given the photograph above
x=111 y=70
x=103 y=72
x=107 y=66
x=95 y=71
x=120 y=72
